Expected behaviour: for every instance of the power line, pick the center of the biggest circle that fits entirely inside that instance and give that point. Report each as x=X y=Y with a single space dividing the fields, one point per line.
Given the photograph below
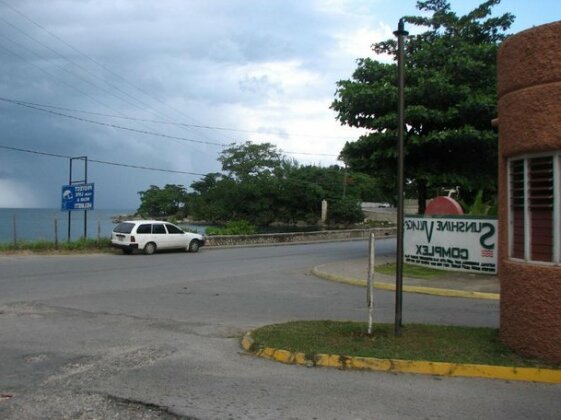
x=102 y=162
x=15 y=10
x=95 y=76
x=148 y=132
x=36 y=152
x=56 y=79
x=100 y=114
x=146 y=168
x=70 y=72
x=126 y=81
x=105 y=124
x=145 y=132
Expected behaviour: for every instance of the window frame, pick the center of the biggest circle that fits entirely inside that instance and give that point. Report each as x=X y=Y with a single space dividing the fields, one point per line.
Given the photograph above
x=163 y=229
x=170 y=227
x=143 y=226
x=556 y=210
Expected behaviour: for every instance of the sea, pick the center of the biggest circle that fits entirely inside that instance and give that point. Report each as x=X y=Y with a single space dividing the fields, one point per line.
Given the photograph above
x=34 y=224
x=24 y=224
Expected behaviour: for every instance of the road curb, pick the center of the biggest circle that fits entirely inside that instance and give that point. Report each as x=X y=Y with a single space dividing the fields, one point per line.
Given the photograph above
x=410 y=289
x=508 y=373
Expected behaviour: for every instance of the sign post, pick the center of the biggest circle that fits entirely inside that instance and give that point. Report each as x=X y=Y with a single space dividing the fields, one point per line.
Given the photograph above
x=78 y=195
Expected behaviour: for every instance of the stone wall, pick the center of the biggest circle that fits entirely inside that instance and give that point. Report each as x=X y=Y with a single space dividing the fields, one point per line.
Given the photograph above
x=298 y=237
x=529 y=87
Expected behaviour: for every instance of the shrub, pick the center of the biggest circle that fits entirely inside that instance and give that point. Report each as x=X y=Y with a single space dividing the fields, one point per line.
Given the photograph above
x=235 y=227
x=481 y=208
x=345 y=210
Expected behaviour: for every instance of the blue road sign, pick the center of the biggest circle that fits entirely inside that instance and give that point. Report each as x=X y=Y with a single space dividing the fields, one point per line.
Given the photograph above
x=77 y=197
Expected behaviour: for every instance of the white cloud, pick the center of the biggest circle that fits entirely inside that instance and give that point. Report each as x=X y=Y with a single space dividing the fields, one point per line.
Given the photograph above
x=358 y=43
x=267 y=66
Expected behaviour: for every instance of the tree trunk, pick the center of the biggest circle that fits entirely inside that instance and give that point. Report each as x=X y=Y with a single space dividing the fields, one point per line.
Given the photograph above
x=422 y=196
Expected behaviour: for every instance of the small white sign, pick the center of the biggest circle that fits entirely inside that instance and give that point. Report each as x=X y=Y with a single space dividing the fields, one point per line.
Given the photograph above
x=451 y=243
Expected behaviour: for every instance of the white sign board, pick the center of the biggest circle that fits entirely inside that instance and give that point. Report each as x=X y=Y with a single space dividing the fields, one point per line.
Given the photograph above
x=457 y=243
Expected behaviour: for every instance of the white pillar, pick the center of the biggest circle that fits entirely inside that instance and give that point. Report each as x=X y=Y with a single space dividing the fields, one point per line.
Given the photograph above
x=324 y=211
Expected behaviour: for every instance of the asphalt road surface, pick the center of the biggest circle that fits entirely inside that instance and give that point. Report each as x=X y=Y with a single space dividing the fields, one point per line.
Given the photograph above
x=149 y=337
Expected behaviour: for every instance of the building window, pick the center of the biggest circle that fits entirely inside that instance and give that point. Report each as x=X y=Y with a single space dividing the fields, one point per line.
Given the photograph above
x=534 y=197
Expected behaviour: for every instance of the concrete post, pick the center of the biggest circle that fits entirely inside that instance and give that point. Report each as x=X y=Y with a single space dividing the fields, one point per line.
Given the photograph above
x=324 y=211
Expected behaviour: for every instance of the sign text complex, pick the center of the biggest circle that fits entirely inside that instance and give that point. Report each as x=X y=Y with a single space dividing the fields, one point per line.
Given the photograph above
x=452 y=243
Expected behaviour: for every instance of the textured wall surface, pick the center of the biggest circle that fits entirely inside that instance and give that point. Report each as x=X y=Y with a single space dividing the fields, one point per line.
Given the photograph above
x=298 y=237
x=529 y=86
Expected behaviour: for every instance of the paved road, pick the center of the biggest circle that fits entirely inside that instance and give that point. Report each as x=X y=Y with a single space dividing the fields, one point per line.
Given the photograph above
x=112 y=336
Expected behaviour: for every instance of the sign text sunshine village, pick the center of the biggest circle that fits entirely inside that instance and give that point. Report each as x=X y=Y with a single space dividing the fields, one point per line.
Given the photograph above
x=466 y=244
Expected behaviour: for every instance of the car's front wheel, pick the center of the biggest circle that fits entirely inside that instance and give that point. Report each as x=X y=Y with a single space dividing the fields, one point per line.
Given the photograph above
x=149 y=248
x=194 y=246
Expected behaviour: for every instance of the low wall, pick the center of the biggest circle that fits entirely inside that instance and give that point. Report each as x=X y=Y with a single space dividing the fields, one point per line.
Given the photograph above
x=297 y=237
x=381 y=216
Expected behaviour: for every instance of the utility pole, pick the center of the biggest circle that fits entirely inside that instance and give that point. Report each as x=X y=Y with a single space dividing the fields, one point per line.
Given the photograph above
x=401 y=33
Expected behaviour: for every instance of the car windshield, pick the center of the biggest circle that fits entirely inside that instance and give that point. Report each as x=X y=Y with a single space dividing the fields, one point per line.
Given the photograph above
x=124 y=228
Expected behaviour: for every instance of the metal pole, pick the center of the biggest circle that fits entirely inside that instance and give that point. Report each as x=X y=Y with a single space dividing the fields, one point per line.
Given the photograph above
x=56 y=232
x=370 y=286
x=15 y=230
x=85 y=211
x=69 y=213
x=401 y=33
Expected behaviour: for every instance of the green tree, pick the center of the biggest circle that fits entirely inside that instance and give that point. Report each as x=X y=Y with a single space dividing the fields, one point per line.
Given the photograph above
x=345 y=210
x=450 y=100
x=211 y=198
x=206 y=184
x=248 y=189
x=250 y=159
x=160 y=202
x=301 y=192
x=261 y=186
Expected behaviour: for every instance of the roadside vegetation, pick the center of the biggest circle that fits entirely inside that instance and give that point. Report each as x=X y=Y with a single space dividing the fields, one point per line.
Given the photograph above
x=410 y=270
x=480 y=207
x=450 y=99
x=238 y=227
x=434 y=343
x=81 y=245
x=259 y=186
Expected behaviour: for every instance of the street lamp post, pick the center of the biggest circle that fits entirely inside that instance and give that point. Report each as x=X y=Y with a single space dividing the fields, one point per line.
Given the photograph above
x=401 y=33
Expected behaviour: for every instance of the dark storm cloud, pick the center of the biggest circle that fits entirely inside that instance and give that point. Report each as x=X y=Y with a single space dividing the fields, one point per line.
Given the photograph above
x=266 y=68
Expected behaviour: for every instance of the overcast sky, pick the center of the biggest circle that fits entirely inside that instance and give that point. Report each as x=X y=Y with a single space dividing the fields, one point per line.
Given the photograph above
x=134 y=81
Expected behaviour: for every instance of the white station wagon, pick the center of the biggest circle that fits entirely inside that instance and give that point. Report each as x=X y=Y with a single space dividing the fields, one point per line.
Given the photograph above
x=152 y=235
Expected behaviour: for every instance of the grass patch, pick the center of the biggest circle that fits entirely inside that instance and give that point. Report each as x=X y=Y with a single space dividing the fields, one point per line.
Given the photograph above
x=418 y=342
x=41 y=245
x=234 y=227
x=410 y=270
x=377 y=224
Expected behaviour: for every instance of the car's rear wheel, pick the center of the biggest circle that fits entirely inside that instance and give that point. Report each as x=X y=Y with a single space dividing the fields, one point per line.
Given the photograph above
x=194 y=246
x=149 y=248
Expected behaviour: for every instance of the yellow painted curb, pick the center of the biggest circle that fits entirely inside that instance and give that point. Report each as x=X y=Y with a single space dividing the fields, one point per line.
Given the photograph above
x=552 y=376
x=410 y=289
